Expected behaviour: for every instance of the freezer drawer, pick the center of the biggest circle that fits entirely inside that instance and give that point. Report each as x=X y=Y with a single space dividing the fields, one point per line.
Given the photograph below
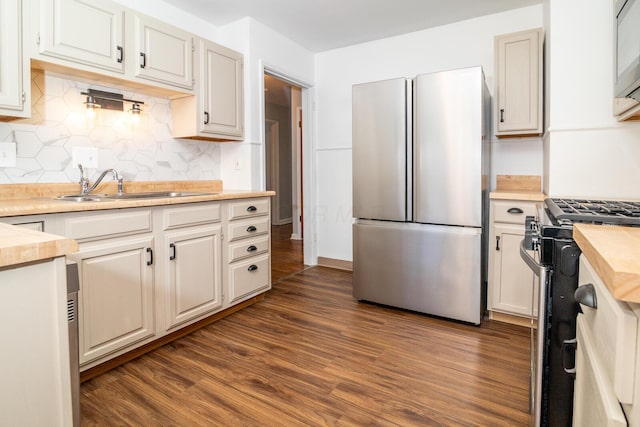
x=427 y=268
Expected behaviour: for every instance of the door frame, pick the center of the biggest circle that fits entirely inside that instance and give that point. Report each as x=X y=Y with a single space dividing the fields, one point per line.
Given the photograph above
x=272 y=169
x=308 y=154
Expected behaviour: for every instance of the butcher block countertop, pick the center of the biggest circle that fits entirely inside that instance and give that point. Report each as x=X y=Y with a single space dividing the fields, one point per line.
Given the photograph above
x=34 y=199
x=518 y=187
x=614 y=252
x=20 y=245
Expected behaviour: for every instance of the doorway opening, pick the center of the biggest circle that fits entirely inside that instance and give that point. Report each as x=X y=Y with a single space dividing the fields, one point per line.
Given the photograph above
x=283 y=167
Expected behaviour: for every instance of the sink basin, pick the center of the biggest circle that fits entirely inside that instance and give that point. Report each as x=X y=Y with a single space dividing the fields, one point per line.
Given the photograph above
x=127 y=196
x=153 y=195
x=81 y=198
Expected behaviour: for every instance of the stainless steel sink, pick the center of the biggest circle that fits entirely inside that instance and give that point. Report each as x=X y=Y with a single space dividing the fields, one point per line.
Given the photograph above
x=154 y=195
x=81 y=198
x=128 y=196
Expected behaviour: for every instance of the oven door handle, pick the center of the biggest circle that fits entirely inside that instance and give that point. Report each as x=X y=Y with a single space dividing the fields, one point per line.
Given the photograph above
x=529 y=260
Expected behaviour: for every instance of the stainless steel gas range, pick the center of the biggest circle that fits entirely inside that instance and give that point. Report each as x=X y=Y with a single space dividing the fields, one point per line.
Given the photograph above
x=555 y=261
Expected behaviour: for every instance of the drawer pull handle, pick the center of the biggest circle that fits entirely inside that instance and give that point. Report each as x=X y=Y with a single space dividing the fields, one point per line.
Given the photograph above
x=206 y=118
x=173 y=254
x=252 y=248
x=251 y=228
x=569 y=346
x=150 y=252
x=515 y=211
x=120 y=54
x=252 y=267
x=252 y=209
x=586 y=295
x=497 y=243
x=144 y=60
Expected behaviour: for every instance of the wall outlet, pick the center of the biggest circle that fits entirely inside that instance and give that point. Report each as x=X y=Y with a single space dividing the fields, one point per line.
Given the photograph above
x=86 y=156
x=7 y=155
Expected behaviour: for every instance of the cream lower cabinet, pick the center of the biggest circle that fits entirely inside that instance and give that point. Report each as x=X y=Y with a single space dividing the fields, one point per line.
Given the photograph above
x=193 y=263
x=607 y=387
x=15 y=85
x=248 y=235
x=116 y=266
x=512 y=287
x=116 y=294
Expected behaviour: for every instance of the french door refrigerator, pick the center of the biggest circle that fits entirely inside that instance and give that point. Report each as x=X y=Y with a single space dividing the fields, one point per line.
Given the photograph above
x=420 y=196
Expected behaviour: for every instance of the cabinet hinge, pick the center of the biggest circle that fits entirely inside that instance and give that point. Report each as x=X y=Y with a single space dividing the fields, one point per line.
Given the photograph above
x=193 y=81
x=24 y=97
x=221 y=236
x=38 y=39
x=193 y=46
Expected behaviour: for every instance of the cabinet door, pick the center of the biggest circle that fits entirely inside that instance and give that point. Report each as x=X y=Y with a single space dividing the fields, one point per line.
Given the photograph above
x=221 y=71
x=116 y=295
x=14 y=69
x=512 y=282
x=519 y=83
x=194 y=274
x=164 y=53
x=594 y=401
x=83 y=31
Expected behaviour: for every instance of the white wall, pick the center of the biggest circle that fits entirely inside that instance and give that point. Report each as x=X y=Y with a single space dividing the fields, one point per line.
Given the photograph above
x=587 y=152
x=242 y=164
x=462 y=44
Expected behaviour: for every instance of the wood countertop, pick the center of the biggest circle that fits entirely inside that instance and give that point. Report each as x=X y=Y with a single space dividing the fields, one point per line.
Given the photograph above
x=19 y=245
x=518 y=187
x=35 y=199
x=614 y=252
x=530 y=196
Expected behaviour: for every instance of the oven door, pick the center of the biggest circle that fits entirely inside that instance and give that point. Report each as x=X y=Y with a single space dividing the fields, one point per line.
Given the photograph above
x=537 y=337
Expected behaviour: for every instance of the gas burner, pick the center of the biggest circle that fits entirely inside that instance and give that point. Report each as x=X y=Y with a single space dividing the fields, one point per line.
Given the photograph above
x=565 y=211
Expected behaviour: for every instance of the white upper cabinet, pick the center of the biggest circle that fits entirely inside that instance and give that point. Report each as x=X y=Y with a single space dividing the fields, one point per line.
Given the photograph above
x=164 y=53
x=216 y=112
x=86 y=32
x=518 y=73
x=116 y=44
x=14 y=66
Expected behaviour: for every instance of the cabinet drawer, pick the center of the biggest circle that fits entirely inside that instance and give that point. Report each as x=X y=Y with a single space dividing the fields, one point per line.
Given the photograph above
x=247 y=277
x=513 y=212
x=248 y=208
x=613 y=328
x=248 y=248
x=108 y=225
x=247 y=228
x=199 y=213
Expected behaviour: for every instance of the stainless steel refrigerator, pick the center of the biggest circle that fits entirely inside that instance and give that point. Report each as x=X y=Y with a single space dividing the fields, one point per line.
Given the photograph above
x=420 y=193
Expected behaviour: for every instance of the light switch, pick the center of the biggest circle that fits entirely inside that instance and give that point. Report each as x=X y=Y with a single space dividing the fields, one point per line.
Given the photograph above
x=7 y=154
x=86 y=156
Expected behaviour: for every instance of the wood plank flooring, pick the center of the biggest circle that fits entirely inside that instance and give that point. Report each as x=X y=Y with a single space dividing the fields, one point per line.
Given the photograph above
x=309 y=354
x=286 y=254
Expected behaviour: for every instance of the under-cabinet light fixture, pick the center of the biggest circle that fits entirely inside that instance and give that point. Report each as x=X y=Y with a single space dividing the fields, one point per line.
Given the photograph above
x=110 y=101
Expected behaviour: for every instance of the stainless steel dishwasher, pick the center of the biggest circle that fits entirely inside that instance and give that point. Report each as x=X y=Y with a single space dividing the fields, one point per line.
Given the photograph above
x=73 y=286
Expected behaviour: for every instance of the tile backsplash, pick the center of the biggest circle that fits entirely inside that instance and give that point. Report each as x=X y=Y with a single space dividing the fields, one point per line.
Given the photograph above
x=140 y=151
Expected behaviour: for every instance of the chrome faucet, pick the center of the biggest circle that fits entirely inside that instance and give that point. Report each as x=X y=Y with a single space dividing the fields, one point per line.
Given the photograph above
x=87 y=188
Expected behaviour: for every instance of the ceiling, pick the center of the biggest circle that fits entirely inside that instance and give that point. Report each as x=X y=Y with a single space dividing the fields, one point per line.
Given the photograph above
x=320 y=25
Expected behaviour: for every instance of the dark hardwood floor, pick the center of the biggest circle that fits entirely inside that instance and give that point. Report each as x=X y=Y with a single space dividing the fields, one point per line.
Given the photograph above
x=309 y=354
